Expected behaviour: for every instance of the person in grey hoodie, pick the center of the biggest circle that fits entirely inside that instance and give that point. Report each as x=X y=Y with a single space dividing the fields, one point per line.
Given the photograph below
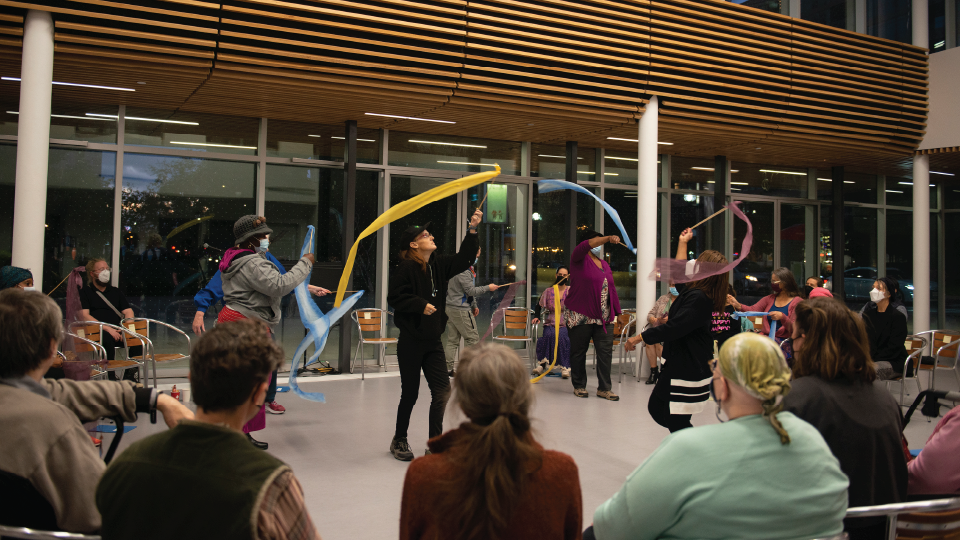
x=253 y=286
x=462 y=311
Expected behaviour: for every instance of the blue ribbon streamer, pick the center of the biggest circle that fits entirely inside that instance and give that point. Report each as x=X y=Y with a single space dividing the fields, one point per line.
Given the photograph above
x=316 y=322
x=546 y=186
x=773 y=323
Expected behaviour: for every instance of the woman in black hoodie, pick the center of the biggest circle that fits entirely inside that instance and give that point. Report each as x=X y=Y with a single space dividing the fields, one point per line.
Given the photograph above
x=418 y=288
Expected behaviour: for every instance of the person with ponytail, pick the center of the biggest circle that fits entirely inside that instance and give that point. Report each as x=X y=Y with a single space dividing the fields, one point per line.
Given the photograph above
x=682 y=385
x=833 y=390
x=760 y=474
x=886 y=320
x=489 y=479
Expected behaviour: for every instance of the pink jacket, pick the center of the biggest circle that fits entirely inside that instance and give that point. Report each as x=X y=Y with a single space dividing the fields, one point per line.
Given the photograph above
x=785 y=326
x=936 y=470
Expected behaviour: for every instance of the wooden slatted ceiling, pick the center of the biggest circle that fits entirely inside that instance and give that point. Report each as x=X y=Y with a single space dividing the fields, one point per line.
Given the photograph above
x=728 y=76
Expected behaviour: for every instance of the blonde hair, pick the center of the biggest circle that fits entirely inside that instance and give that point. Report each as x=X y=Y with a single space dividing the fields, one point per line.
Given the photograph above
x=756 y=364
x=496 y=452
x=91 y=265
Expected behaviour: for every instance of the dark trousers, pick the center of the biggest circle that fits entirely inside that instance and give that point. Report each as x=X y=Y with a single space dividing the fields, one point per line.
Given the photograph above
x=272 y=389
x=413 y=356
x=580 y=337
x=110 y=345
x=660 y=411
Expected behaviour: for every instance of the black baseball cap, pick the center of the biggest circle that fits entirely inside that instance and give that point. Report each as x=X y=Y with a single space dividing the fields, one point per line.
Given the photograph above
x=411 y=233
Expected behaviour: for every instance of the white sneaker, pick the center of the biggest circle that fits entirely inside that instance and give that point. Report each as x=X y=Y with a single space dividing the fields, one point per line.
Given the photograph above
x=564 y=373
x=540 y=367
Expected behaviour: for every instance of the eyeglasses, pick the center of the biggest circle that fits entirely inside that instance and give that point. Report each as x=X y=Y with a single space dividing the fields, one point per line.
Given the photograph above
x=424 y=235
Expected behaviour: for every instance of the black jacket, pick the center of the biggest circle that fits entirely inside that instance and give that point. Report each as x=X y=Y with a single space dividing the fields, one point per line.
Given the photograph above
x=411 y=290
x=886 y=331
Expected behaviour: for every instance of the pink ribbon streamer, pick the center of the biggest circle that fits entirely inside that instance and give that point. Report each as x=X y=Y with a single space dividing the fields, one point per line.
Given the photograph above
x=498 y=314
x=686 y=271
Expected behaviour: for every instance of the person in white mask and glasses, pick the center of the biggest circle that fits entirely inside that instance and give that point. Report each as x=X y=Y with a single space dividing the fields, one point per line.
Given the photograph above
x=102 y=302
x=886 y=320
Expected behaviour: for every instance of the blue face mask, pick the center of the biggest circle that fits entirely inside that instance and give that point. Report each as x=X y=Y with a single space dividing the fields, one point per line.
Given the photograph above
x=597 y=252
x=264 y=245
x=674 y=292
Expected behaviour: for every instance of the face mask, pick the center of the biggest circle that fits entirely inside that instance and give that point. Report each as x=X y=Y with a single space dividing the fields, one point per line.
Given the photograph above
x=29 y=288
x=876 y=295
x=264 y=245
x=597 y=252
x=775 y=287
x=104 y=276
x=674 y=291
x=808 y=289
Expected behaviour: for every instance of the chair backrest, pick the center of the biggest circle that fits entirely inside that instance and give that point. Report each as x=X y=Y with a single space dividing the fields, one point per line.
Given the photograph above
x=369 y=319
x=949 y=342
x=622 y=320
x=137 y=326
x=515 y=318
x=87 y=332
x=34 y=534
x=915 y=346
x=931 y=519
x=757 y=321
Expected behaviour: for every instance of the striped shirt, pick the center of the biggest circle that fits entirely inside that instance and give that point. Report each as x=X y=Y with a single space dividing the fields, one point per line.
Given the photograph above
x=283 y=514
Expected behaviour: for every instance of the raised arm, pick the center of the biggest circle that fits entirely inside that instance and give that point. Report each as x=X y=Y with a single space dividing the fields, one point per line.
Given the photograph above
x=685 y=238
x=269 y=281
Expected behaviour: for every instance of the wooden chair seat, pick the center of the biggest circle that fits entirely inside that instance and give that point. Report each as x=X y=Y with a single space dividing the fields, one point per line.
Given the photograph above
x=121 y=364
x=70 y=355
x=166 y=357
x=380 y=340
x=514 y=338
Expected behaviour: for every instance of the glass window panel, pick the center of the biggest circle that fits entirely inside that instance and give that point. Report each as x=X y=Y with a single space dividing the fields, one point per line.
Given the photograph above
x=465 y=154
x=8 y=180
x=859 y=187
x=551 y=238
x=186 y=130
x=859 y=255
x=621 y=167
x=899 y=258
x=778 y=181
x=319 y=141
x=172 y=206
x=294 y=199
x=835 y=13
x=691 y=173
x=72 y=122
x=550 y=161
x=79 y=218
x=899 y=191
x=905 y=286
x=751 y=278
x=799 y=246
x=622 y=261
x=686 y=210
x=890 y=19
x=826 y=245
x=951 y=192
x=936 y=13
x=774 y=6
x=952 y=276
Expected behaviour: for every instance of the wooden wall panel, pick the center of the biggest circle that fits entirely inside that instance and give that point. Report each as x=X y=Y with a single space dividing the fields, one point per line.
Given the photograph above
x=730 y=79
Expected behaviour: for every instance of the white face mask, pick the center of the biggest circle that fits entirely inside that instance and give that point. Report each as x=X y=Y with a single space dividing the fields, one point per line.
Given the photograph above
x=104 y=276
x=597 y=252
x=876 y=295
x=264 y=245
x=29 y=288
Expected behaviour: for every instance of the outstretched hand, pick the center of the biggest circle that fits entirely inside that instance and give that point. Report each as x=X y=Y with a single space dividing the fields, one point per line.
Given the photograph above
x=476 y=217
x=632 y=343
x=686 y=235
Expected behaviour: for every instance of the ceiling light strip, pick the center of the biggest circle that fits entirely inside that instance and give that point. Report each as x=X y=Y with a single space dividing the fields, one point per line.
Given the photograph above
x=78 y=84
x=214 y=145
x=447 y=143
x=410 y=118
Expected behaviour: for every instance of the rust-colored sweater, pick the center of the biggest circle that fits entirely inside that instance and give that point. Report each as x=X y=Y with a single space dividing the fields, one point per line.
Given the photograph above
x=551 y=507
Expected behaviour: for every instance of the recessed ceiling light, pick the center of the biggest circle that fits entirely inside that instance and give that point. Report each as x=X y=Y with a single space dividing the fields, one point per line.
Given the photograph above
x=410 y=118
x=343 y=139
x=739 y=184
x=850 y=182
x=893 y=191
x=141 y=82
x=558 y=157
x=467 y=163
x=447 y=143
x=905 y=183
x=623 y=158
x=824 y=179
x=635 y=140
x=943 y=173
x=146 y=119
x=784 y=172
x=77 y=84
x=214 y=145
x=68 y=116
x=317 y=136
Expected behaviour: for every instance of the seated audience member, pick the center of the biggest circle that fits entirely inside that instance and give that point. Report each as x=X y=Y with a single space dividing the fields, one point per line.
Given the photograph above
x=936 y=470
x=102 y=302
x=207 y=463
x=886 y=320
x=833 y=390
x=48 y=467
x=810 y=284
x=490 y=478
x=781 y=304
x=12 y=276
x=731 y=478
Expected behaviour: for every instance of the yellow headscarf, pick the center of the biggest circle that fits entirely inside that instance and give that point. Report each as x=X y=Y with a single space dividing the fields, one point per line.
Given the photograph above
x=756 y=364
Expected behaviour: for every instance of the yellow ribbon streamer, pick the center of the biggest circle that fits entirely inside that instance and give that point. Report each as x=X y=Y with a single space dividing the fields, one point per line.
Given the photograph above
x=556 y=333
x=406 y=207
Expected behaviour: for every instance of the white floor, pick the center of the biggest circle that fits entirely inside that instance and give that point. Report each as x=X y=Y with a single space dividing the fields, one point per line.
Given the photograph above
x=353 y=486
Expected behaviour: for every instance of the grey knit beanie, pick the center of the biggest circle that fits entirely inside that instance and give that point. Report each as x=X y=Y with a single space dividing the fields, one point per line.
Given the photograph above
x=249 y=226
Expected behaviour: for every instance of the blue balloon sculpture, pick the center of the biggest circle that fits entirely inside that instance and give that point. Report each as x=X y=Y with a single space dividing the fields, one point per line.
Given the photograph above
x=316 y=322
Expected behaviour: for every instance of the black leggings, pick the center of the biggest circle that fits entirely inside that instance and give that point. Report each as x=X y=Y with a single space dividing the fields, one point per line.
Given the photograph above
x=413 y=356
x=660 y=411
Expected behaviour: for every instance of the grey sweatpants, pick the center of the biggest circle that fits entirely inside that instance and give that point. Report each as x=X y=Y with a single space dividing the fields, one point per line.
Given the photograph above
x=460 y=322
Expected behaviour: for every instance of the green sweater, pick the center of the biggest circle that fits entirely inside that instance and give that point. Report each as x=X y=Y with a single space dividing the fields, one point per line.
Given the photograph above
x=731 y=480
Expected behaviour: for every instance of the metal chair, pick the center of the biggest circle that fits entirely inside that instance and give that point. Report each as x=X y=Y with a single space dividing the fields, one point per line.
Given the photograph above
x=946 y=343
x=92 y=331
x=929 y=520
x=81 y=345
x=371 y=320
x=139 y=327
x=35 y=534
x=624 y=326
x=915 y=345
x=518 y=318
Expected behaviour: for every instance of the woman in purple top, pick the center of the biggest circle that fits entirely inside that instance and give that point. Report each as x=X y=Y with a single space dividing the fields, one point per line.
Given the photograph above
x=592 y=306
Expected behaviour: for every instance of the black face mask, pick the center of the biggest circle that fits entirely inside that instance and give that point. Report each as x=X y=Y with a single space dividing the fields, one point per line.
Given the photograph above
x=808 y=289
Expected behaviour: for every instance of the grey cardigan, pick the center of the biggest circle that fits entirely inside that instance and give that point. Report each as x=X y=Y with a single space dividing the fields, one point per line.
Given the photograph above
x=461 y=287
x=253 y=286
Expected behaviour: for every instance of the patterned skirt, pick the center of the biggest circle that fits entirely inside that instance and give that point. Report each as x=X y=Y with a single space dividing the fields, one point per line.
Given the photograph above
x=545 y=346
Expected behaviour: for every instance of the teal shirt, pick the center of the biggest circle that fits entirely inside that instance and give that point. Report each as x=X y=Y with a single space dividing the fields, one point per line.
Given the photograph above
x=731 y=480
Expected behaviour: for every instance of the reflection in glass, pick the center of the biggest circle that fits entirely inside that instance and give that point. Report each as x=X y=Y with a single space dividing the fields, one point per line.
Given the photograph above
x=936 y=13
x=774 y=6
x=824 y=184
x=191 y=131
x=890 y=19
x=798 y=241
x=621 y=167
x=859 y=187
x=319 y=141
x=860 y=254
x=8 y=180
x=777 y=181
x=952 y=276
x=453 y=153
x=751 y=278
x=550 y=161
x=692 y=173
x=622 y=261
x=835 y=13
x=686 y=210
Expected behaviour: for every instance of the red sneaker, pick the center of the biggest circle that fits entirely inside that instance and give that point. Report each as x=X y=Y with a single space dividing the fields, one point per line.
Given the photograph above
x=275 y=408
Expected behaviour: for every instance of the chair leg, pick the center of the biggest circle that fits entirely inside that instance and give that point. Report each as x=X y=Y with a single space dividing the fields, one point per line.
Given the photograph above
x=363 y=366
x=153 y=362
x=902 y=387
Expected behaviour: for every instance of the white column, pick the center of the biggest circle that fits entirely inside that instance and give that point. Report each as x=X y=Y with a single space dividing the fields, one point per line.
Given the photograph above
x=647 y=206
x=921 y=243
x=921 y=25
x=860 y=7
x=793 y=8
x=33 y=144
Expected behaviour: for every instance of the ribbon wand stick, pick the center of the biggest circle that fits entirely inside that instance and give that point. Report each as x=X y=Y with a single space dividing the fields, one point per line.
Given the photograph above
x=479 y=206
x=708 y=218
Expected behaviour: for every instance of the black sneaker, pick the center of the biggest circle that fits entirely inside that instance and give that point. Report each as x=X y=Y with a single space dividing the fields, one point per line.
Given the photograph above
x=401 y=449
x=452 y=373
x=259 y=444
